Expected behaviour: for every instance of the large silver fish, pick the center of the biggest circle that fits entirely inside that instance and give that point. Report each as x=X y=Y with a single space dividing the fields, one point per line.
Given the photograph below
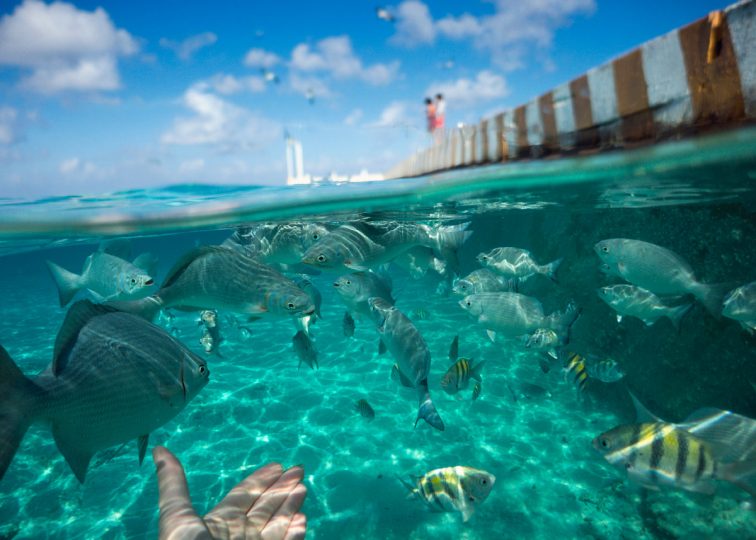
x=361 y=245
x=515 y=315
x=282 y=243
x=114 y=377
x=517 y=263
x=638 y=302
x=214 y=277
x=740 y=304
x=107 y=275
x=411 y=353
x=356 y=288
x=483 y=280
x=657 y=269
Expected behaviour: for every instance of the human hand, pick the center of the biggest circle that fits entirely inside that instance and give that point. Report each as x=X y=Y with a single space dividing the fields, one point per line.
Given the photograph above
x=264 y=506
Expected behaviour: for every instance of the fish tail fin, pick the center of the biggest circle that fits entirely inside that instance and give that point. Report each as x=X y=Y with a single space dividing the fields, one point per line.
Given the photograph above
x=475 y=371
x=449 y=239
x=711 y=296
x=18 y=395
x=741 y=474
x=411 y=490
x=68 y=283
x=146 y=308
x=676 y=314
x=427 y=411
x=549 y=270
x=561 y=322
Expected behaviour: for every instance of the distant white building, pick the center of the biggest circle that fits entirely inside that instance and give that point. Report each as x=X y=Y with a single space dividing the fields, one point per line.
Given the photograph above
x=295 y=169
x=295 y=163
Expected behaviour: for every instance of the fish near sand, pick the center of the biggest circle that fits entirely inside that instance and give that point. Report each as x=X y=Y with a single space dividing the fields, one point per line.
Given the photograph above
x=365 y=410
x=107 y=275
x=709 y=445
x=411 y=353
x=458 y=376
x=114 y=377
x=305 y=350
x=453 y=489
x=658 y=270
x=347 y=325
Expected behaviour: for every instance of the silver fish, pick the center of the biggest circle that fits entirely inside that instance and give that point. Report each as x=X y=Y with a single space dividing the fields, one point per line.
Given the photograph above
x=606 y=370
x=514 y=314
x=305 y=350
x=213 y=277
x=483 y=280
x=543 y=338
x=108 y=276
x=411 y=353
x=277 y=243
x=740 y=305
x=418 y=260
x=355 y=289
x=638 y=302
x=362 y=245
x=657 y=269
x=517 y=263
x=114 y=377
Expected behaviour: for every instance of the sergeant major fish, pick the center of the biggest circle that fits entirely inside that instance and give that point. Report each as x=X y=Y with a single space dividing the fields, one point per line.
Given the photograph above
x=657 y=269
x=411 y=353
x=740 y=305
x=710 y=445
x=107 y=275
x=517 y=263
x=365 y=410
x=453 y=489
x=638 y=302
x=114 y=377
x=458 y=376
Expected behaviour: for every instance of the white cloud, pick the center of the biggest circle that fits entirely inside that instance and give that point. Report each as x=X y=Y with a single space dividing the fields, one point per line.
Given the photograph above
x=76 y=166
x=336 y=56
x=353 y=117
x=8 y=125
x=192 y=165
x=309 y=85
x=508 y=34
x=395 y=114
x=259 y=58
x=220 y=123
x=185 y=49
x=465 y=92
x=64 y=47
x=226 y=84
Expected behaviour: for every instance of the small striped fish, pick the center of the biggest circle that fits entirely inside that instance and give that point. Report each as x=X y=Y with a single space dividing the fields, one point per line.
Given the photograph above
x=365 y=410
x=458 y=376
x=477 y=389
x=576 y=369
x=451 y=489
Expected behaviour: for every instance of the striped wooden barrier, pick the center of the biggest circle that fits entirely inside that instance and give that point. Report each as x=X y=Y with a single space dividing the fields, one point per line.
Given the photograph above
x=695 y=79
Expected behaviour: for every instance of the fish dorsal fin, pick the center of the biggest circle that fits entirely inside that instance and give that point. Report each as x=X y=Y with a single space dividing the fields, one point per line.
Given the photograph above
x=147 y=262
x=76 y=318
x=732 y=437
x=642 y=414
x=77 y=458
x=118 y=247
x=189 y=258
x=142 y=446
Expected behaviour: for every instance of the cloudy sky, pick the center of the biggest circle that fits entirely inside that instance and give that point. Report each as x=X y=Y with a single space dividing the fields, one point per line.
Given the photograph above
x=103 y=96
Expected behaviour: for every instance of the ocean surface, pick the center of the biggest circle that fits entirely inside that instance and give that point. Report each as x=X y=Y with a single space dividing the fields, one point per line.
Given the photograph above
x=532 y=430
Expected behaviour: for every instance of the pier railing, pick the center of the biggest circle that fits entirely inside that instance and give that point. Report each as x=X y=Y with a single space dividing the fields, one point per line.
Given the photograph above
x=695 y=79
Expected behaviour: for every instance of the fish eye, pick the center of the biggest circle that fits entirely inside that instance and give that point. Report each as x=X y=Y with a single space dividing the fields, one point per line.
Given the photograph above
x=202 y=370
x=315 y=236
x=605 y=249
x=133 y=281
x=348 y=282
x=484 y=481
x=469 y=304
x=290 y=305
x=471 y=499
x=604 y=442
x=321 y=258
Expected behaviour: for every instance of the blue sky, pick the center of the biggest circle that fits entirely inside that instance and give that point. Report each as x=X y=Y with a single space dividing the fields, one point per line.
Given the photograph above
x=104 y=96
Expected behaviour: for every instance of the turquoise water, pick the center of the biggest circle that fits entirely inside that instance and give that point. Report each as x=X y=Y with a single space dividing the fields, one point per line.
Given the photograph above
x=533 y=430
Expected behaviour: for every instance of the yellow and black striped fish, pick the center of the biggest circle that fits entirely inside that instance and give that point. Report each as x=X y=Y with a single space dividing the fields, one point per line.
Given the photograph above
x=576 y=369
x=458 y=376
x=660 y=453
x=453 y=489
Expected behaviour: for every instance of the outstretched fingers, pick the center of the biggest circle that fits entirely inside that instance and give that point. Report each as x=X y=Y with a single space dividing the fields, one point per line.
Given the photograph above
x=286 y=523
x=277 y=498
x=175 y=506
x=244 y=495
